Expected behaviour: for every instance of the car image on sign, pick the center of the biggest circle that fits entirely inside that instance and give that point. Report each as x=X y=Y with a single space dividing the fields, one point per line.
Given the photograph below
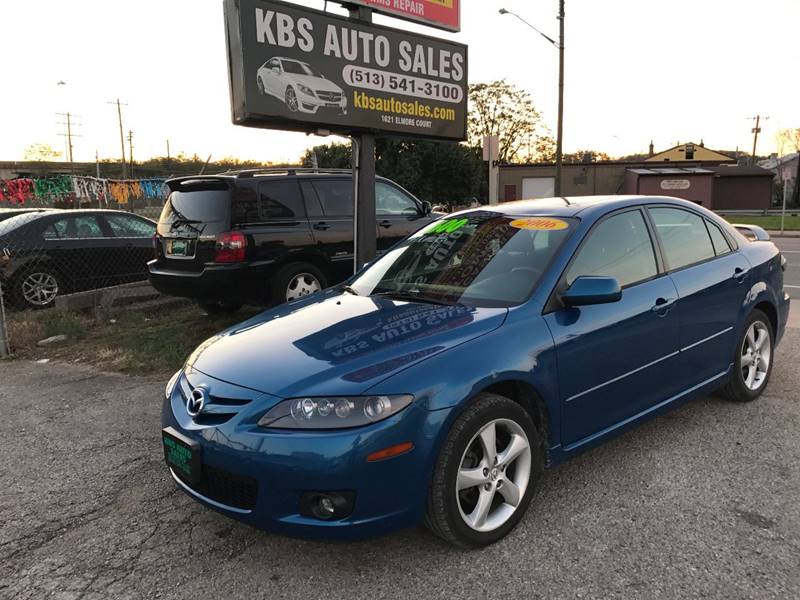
x=299 y=85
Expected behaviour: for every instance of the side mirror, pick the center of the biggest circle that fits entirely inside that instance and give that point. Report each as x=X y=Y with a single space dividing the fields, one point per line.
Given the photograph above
x=592 y=290
x=427 y=207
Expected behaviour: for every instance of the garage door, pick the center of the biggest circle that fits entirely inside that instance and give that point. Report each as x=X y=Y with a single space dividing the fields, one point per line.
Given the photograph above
x=538 y=187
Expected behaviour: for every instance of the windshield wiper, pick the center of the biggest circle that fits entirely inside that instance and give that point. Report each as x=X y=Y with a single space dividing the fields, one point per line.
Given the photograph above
x=350 y=290
x=181 y=219
x=413 y=296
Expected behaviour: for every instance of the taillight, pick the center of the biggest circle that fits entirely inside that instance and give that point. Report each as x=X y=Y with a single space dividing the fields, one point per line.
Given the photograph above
x=231 y=247
x=155 y=247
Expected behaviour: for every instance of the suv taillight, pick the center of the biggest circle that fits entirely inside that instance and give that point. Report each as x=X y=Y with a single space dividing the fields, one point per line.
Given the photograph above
x=231 y=247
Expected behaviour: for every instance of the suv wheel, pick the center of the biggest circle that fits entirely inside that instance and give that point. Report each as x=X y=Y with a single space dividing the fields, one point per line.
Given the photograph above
x=297 y=280
x=486 y=472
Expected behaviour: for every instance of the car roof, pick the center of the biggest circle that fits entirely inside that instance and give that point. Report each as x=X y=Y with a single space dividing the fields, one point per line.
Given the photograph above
x=572 y=206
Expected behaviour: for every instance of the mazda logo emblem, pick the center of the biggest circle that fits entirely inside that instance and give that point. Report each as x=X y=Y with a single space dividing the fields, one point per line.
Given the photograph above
x=196 y=402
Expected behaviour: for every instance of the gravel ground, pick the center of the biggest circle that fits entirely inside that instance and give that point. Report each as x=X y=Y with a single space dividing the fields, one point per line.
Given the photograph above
x=701 y=503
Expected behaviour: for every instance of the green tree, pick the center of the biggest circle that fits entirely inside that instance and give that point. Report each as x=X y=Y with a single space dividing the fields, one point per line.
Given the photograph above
x=584 y=156
x=328 y=156
x=440 y=172
x=501 y=109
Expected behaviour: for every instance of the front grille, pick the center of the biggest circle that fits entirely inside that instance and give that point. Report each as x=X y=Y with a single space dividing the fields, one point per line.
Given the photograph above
x=329 y=96
x=226 y=487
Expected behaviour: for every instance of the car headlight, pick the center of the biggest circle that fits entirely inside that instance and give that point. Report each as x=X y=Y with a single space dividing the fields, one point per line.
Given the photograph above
x=333 y=413
x=171 y=383
x=306 y=90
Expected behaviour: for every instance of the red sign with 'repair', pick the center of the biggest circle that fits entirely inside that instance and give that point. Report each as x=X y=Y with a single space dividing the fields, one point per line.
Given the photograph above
x=444 y=14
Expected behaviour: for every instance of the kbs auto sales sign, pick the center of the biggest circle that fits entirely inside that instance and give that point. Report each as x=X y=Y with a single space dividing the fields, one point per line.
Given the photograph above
x=445 y=14
x=300 y=69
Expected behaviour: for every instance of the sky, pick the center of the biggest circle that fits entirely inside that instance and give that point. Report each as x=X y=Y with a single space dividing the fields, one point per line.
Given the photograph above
x=636 y=71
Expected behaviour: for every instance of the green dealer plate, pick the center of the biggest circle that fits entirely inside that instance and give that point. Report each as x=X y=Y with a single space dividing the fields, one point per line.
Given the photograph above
x=182 y=455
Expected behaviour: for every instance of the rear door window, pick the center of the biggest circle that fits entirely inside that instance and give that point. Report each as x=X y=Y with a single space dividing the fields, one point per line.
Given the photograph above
x=721 y=245
x=280 y=200
x=683 y=235
x=129 y=227
x=335 y=197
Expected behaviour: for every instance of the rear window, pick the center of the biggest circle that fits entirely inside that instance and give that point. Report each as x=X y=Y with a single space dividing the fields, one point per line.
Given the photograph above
x=199 y=206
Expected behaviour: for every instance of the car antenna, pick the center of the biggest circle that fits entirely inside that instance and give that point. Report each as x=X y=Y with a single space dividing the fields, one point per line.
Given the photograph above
x=567 y=202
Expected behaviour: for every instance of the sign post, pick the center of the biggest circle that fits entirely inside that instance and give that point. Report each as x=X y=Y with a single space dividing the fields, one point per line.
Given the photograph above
x=491 y=153
x=299 y=69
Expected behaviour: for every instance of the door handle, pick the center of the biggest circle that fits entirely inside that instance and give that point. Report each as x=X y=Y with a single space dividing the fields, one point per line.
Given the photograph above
x=663 y=306
x=739 y=274
x=321 y=226
x=385 y=224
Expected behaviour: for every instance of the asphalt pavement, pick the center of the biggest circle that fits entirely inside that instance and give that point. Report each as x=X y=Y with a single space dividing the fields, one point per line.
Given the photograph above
x=700 y=503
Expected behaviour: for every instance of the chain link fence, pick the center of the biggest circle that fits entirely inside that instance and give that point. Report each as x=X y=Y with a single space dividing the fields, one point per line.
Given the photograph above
x=71 y=260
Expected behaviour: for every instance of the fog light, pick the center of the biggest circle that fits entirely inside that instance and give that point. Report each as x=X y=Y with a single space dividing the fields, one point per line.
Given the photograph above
x=327 y=506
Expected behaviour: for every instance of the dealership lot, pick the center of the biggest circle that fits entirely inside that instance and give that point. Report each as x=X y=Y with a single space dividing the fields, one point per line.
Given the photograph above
x=698 y=503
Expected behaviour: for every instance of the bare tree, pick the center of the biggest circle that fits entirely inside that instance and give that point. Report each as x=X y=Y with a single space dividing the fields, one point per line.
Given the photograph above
x=792 y=138
x=501 y=109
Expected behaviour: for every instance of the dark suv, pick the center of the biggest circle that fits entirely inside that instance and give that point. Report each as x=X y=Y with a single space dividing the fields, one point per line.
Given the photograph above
x=268 y=236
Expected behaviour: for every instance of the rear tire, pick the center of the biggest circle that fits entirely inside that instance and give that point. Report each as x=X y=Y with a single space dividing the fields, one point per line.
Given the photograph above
x=295 y=281
x=468 y=476
x=752 y=360
x=219 y=307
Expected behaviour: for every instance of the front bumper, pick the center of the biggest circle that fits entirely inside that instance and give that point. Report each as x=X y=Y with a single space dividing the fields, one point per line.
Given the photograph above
x=285 y=465
x=311 y=104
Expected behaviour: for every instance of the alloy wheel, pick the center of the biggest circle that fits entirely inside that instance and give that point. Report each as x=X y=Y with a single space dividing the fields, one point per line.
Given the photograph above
x=291 y=100
x=756 y=355
x=39 y=288
x=493 y=475
x=301 y=285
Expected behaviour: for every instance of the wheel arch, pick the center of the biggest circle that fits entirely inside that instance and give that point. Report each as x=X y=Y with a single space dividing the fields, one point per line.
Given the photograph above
x=772 y=313
x=524 y=394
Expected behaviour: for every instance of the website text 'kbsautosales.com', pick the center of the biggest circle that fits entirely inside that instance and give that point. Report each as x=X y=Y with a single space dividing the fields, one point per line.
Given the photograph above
x=400 y=112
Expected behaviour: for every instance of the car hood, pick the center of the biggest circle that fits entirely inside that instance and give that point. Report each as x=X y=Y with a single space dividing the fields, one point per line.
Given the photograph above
x=315 y=83
x=339 y=344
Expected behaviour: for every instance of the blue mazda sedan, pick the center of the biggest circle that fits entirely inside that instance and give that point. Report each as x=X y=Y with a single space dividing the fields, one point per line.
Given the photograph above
x=439 y=382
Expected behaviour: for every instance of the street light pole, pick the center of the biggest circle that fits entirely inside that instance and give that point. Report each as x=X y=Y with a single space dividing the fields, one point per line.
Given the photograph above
x=560 y=133
x=560 y=126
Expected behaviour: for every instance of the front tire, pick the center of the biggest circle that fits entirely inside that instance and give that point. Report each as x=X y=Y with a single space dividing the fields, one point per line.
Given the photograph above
x=752 y=360
x=37 y=287
x=485 y=474
x=291 y=100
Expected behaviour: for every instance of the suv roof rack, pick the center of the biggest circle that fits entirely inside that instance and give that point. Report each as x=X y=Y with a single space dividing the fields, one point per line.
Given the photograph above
x=242 y=173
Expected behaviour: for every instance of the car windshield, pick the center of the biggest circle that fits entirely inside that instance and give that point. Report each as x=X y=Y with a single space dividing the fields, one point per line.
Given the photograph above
x=298 y=68
x=480 y=258
x=18 y=220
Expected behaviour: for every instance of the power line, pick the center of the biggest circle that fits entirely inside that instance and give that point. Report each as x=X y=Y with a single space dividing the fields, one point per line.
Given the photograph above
x=68 y=135
x=121 y=135
x=755 y=131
